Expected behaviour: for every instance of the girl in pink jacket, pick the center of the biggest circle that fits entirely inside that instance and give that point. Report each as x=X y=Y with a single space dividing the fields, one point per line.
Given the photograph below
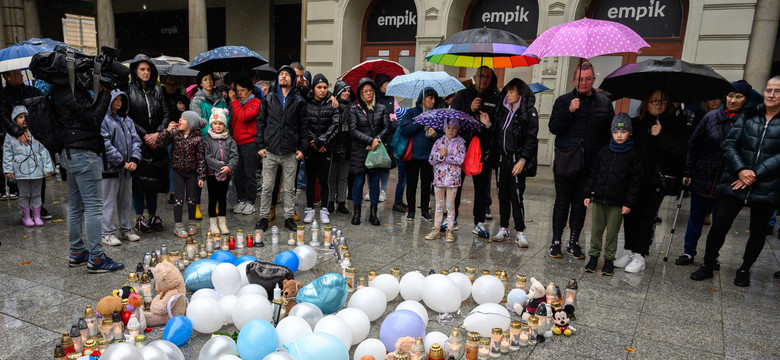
x=446 y=157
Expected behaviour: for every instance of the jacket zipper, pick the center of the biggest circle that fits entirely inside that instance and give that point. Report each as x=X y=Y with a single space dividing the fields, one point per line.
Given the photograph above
x=758 y=154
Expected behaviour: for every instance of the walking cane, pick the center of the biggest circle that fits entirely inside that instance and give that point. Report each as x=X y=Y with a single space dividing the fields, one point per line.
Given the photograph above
x=674 y=224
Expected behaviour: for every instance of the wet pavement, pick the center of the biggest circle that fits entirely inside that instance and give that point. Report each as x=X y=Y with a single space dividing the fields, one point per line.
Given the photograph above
x=655 y=314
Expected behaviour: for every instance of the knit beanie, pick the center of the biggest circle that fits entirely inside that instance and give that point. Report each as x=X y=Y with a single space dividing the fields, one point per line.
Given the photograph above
x=318 y=79
x=622 y=122
x=217 y=115
x=18 y=110
x=193 y=120
x=742 y=87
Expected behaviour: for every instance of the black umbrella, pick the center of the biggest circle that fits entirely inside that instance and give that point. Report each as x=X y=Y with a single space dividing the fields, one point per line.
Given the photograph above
x=681 y=81
x=265 y=72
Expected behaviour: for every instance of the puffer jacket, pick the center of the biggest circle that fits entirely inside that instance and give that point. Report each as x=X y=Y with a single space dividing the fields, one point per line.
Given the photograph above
x=26 y=162
x=490 y=104
x=82 y=124
x=704 y=163
x=421 y=143
x=322 y=122
x=518 y=139
x=121 y=141
x=364 y=126
x=202 y=104
x=187 y=153
x=753 y=144
x=589 y=124
x=219 y=153
x=243 y=128
x=341 y=142
x=614 y=178
x=281 y=128
x=665 y=153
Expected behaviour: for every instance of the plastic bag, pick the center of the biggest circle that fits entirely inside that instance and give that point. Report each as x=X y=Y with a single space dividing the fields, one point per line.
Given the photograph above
x=378 y=158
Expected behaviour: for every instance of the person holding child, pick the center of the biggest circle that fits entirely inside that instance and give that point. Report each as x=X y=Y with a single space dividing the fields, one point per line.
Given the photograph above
x=221 y=152
x=446 y=156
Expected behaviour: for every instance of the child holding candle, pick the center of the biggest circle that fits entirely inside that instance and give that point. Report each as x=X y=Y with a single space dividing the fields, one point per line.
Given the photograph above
x=446 y=157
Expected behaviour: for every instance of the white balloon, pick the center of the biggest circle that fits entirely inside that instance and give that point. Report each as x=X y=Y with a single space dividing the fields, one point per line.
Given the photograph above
x=250 y=307
x=291 y=328
x=205 y=293
x=415 y=306
x=441 y=294
x=388 y=284
x=153 y=353
x=307 y=257
x=411 y=285
x=242 y=271
x=206 y=315
x=358 y=323
x=227 y=303
x=229 y=357
x=252 y=289
x=373 y=347
x=122 y=351
x=226 y=279
x=485 y=317
x=370 y=300
x=463 y=283
x=434 y=337
x=218 y=346
x=169 y=348
x=307 y=311
x=335 y=326
x=487 y=289
x=516 y=296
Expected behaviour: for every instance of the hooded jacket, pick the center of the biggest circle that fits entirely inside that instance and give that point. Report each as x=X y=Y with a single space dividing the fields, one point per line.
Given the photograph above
x=281 y=123
x=366 y=125
x=615 y=178
x=490 y=104
x=202 y=104
x=244 y=124
x=341 y=142
x=121 y=141
x=421 y=143
x=187 y=152
x=704 y=163
x=26 y=162
x=81 y=124
x=219 y=153
x=322 y=122
x=589 y=124
x=515 y=136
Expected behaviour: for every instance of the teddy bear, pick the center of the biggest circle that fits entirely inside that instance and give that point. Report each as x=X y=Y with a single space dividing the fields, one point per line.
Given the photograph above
x=536 y=296
x=289 y=291
x=561 y=320
x=169 y=284
x=107 y=305
x=402 y=345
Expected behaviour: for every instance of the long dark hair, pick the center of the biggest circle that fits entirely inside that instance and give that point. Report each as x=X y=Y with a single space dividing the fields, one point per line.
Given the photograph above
x=644 y=113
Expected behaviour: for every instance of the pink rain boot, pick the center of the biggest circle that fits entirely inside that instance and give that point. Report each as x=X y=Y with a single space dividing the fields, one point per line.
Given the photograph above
x=26 y=219
x=37 y=216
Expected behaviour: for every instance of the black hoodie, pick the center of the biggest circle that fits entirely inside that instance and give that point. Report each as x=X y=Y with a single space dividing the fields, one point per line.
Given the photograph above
x=518 y=138
x=147 y=103
x=490 y=103
x=341 y=141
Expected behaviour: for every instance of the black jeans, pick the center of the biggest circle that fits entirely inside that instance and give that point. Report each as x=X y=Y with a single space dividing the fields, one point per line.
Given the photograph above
x=424 y=170
x=185 y=187
x=510 y=195
x=728 y=209
x=217 y=195
x=569 y=197
x=482 y=198
x=245 y=174
x=317 y=167
x=639 y=224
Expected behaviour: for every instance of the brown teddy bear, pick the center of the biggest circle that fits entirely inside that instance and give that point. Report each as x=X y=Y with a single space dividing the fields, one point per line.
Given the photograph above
x=168 y=283
x=402 y=345
x=107 y=305
x=289 y=291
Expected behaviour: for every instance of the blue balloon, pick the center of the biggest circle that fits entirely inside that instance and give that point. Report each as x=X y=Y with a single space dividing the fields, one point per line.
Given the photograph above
x=198 y=274
x=398 y=324
x=317 y=345
x=224 y=256
x=516 y=296
x=288 y=259
x=328 y=292
x=178 y=330
x=245 y=258
x=257 y=339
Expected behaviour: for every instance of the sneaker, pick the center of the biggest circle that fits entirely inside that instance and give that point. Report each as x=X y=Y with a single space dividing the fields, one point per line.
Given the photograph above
x=400 y=207
x=4 y=197
x=324 y=218
x=180 y=231
x=575 y=251
x=309 y=215
x=623 y=260
x=248 y=209
x=488 y=214
x=13 y=196
x=592 y=263
x=142 y=225
x=156 y=223
x=45 y=215
x=704 y=273
x=555 y=251
x=743 y=278
x=382 y=196
x=103 y=265
x=239 y=209
x=426 y=215
x=367 y=197
x=636 y=265
x=520 y=240
x=684 y=259
x=608 y=269
x=262 y=224
x=110 y=240
x=129 y=235
x=501 y=236
x=479 y=230
x=433 y=235
x=289 y=223
x=191 y=230
x=410 y=215
x=78 y=260
x=449 y=236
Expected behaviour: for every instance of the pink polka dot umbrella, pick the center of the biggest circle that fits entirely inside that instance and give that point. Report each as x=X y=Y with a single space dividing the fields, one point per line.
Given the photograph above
x=586 y=38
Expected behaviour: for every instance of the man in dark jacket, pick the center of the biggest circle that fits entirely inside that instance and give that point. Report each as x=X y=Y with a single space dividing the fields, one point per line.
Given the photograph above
x=580 y=121
x=475 y=99
x=281 y=140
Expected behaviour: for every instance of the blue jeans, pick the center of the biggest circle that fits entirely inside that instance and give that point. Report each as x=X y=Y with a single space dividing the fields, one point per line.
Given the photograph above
x=85 y=200
x=700 y=207
x=301 y=178
x=399 y=188
x=384 y=178
x=373 y=187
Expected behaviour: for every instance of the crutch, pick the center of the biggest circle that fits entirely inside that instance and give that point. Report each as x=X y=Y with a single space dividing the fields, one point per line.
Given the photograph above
x=674 y=223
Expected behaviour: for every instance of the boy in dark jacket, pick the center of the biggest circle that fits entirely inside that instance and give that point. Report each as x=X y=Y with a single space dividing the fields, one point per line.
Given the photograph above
x=613 y=187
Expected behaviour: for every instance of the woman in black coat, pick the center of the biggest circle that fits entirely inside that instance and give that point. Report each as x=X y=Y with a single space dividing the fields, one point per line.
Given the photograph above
x=369 y=125
x=340 y=145
x=322 y=120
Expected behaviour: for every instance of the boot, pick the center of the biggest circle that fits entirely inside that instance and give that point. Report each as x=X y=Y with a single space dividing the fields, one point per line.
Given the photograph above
x=26 y=219
x=356 y=214
x=37 y=216
x=223 y=225
x=198 y=215
x=331 y=207
x=213 y=227
x=343 y=208
x=372 y=216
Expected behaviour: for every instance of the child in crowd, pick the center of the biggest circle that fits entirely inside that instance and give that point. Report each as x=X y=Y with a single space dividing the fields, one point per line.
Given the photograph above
x=188 y=164
x=26 y=165
x=123 y=153
x=221 y=154
x=446 y=157
x=612 y=188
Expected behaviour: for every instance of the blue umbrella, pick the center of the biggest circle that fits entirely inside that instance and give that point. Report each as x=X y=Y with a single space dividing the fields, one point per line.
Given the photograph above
x=18 y=57
x=537 y=87
x=436 y=119
x=227 y=58
x=409 y=86
x=42 y=41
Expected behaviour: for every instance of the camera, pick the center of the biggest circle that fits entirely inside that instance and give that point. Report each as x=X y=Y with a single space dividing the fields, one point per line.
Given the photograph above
x=52 y=67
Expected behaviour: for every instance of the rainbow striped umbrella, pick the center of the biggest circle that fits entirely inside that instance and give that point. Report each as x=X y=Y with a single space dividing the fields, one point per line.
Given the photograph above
x=477 y=47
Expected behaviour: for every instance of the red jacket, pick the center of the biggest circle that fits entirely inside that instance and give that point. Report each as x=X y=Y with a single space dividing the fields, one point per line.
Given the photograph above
x=243 y=121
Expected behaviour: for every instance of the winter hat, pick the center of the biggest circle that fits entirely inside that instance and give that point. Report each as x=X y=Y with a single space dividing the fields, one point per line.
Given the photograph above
x=452 y=121
x=318 y=79
x=622 y=122
x=742 y=87
x=193 y=120
x=18 y=110
x=381 y=79
x=290 y=71
x=307 y=76
x=217 y=115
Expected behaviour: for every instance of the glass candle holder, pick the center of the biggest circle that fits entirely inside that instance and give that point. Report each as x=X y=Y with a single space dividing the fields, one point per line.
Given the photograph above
x=300 y=236
x=240 y=238
x=495 y=342
x=505 y=342
x=520 y=281
x=472 y=345
x=471 y=272
x=514 y=336
x=326 y=235
x=570 y=296
x=533 y=323
x=484 y=349
x=107 y=328
x=291 y=238
x=525 y=335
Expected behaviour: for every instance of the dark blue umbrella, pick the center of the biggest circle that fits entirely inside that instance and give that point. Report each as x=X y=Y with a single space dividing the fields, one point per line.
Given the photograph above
x=227 y=58
x=42 y=41
x=436 y=119
x=18 y=57
x=537 y=87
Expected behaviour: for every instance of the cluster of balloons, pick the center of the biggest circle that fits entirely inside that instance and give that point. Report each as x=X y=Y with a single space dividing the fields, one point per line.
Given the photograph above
x=155 y=350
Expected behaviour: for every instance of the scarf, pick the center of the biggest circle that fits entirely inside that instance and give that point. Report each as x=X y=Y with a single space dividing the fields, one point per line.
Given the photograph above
x=621 y=148
x=216 y=136
x=243 y=102
x=730 y=113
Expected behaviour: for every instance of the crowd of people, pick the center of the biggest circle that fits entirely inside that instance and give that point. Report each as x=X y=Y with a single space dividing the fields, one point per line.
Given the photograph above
x=296 y=133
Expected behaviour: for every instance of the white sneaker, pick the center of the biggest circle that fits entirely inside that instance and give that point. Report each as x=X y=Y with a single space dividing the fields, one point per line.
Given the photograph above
x=324 y=219
x=248 y=209
x=129 y=236
x=239 y=208
x=637 y=264
x=520 y=240
x=501 y=236
x=382 y=196
x=623 y=260
x=309 y=217
x=367 y=197
x=110 y=240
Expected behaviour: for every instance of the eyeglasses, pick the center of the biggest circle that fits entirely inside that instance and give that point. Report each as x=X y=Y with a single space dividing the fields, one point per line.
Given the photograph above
x=770 y=92
x=368 y=91
x=656 y=101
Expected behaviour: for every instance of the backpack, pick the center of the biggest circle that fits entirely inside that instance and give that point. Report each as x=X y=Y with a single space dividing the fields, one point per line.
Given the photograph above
x=43 y=124
x=472 y=163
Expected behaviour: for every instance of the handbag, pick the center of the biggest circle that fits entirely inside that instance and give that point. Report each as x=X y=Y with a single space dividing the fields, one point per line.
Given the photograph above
x=472 y=163
x=408 y=153
x=569 y=161
x=378 y=158
x=398 y=144
x=670 y=185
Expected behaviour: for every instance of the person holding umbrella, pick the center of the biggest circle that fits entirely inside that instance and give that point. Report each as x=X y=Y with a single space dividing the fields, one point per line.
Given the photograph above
x=751 y=152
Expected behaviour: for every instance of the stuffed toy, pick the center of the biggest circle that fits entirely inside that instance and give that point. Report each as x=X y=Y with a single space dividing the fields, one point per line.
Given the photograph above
x=134 y=301
x=124 y=292
x=170 y=287
x=367 y=357
x=561 y=318
x=107 y=305
x=289 y=291
x=536 y=296
x=402 y=345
